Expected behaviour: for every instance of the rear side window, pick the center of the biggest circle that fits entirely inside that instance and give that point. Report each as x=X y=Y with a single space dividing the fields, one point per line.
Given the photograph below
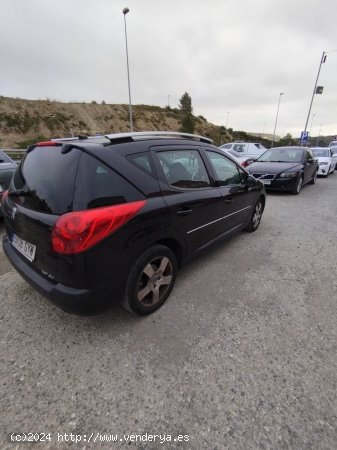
x=143 y=162
x=98 y=185
x=48 y=176
x=240 y=148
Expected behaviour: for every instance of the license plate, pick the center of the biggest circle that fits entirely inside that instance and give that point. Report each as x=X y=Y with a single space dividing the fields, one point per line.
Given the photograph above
x=26 y=249
x=265 y=181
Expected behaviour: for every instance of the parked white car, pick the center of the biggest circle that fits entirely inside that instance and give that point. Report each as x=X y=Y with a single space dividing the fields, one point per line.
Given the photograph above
x=247 y=150
x=326 y=158
x=238 y=157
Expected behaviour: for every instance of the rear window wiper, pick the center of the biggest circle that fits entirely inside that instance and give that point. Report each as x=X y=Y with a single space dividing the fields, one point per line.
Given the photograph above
x=19 y=193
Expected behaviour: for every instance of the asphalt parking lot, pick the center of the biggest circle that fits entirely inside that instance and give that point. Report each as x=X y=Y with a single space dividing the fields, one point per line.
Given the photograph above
x=242 y=356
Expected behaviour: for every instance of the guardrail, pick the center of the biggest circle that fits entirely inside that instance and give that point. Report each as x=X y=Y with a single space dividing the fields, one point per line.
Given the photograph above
x=14 y=153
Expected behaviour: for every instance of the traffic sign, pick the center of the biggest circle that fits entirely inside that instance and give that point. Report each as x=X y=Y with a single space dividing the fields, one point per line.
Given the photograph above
x=304 y=136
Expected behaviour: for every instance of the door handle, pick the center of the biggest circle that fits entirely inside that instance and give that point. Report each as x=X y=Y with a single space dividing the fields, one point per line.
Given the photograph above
x=184 y=211
x=228 y=200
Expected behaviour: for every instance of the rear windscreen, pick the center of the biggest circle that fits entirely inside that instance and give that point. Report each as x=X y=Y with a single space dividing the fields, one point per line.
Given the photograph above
x=4 y=158
x=47 y=176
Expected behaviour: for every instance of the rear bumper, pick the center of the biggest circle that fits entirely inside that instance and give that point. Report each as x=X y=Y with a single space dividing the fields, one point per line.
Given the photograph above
x=72 y=300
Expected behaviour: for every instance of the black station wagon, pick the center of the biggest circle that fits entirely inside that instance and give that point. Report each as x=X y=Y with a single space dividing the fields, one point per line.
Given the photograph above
x=95 y=221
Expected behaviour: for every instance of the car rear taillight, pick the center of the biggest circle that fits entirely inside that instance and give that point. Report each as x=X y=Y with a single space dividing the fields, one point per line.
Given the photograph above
x=77 y=231
x=47 y=144
x=43 y=144
x=4 y=196
x=244 y=164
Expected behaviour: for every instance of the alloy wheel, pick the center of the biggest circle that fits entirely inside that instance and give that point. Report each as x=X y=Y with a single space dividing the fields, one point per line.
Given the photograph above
x=257 y=215
x=299 y=185
x=154 y=281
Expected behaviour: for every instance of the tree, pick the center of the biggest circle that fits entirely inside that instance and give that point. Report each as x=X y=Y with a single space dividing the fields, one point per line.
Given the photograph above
x=287 y=140
x=187 y=118
x=186 y=104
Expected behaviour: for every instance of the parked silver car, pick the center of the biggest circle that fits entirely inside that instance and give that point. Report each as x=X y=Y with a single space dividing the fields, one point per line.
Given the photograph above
x=7 y=168
x=247 y=150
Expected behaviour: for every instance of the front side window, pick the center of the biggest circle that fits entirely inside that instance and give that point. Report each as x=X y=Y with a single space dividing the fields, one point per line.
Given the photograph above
x=184 y=169
x=226 y=171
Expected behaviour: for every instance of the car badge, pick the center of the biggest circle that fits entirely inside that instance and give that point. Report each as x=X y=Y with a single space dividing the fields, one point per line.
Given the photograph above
x=14 y=210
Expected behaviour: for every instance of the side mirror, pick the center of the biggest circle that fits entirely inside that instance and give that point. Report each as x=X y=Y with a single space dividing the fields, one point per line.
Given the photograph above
x=250 y=181
x=247 y=162
x=311 y=160
x=250 y=161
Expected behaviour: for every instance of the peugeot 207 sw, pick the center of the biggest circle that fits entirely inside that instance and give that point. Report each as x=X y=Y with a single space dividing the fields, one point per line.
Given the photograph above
x=94 y=221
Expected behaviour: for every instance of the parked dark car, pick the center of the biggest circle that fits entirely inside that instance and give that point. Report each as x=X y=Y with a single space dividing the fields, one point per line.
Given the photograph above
x=285 y=168
x=7 y=168
x=91 y=222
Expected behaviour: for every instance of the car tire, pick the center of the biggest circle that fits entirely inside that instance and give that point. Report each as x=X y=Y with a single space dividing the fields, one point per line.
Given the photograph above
x=297 y=188
x=255 y=217
x=150 y=281
x=314 y=178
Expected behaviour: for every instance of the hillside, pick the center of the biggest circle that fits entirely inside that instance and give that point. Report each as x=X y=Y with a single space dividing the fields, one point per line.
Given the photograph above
x=25 y=121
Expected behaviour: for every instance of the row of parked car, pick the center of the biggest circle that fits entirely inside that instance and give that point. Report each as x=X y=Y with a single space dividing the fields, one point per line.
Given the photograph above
x=95 y=221
x=288 y=168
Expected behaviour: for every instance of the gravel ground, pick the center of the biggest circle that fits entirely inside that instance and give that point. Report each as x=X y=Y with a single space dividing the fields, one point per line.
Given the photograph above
x=242 y=356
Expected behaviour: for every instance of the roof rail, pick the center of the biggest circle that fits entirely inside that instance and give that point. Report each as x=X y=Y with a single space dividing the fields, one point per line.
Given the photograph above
x=79 y=137
x=153 y=134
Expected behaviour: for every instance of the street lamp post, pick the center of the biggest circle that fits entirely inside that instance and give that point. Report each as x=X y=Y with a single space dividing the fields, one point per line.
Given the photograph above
x=227 y=120
x=323 y=59
x=312 y=120
x=278 y=107
x=319 y=134
x=125 y=11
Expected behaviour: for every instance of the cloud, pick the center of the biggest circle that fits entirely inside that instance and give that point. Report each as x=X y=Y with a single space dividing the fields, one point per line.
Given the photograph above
x=234 y=56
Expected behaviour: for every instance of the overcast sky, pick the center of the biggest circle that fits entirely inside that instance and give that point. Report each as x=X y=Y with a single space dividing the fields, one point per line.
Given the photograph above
x=234 y=57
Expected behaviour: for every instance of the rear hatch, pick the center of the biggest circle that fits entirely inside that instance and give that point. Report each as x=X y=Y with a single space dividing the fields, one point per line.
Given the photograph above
x=41 y=190
x=62 y=204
